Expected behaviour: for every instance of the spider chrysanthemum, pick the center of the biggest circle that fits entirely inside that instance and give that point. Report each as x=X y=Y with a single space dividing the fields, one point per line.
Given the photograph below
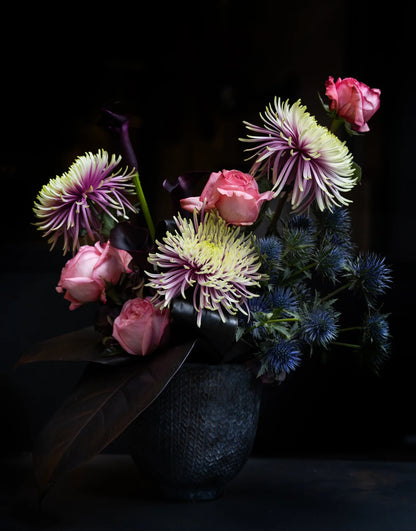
x=217 y=261
x=301 y=156
x=71 y=205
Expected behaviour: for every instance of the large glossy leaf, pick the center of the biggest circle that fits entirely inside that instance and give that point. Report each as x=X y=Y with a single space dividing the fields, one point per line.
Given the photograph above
x=82 y=345
x=215 y=336
x=105 y=401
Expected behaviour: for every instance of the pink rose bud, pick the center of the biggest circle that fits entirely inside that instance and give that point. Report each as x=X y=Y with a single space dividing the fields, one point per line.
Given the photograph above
x=234 y=194
x=141 y=328
x=353 y=101
x=84 y=277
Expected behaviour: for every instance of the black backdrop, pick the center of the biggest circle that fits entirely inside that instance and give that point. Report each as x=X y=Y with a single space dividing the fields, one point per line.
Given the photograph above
x=188 y=74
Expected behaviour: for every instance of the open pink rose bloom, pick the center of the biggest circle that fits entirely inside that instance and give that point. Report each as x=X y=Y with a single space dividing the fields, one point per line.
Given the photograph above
x=352 y=100
x=234 y=194
x=84 y=277
x=141 y=328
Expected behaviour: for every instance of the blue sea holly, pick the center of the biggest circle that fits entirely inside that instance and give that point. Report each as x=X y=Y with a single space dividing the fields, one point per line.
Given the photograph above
x=298 y=244
x=270 y=248
x=262 y=303
x=282 y=357
x=335 y=222
x=368 y=273
x=330 y=257
x=218 y=262
x=284 y=300
x=319 y=324
x=377 y=332
x=302 y=222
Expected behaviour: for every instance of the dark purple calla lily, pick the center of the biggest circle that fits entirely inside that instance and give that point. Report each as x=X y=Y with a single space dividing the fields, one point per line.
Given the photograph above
x=186 y=185
x=134 y=239
x=118 y=125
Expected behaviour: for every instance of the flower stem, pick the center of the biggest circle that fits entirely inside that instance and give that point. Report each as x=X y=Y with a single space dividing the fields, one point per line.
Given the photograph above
x=351 y=328
x=336 y=122
x=284 y=320
x=349 y=345
x=143 y=204
x=336 y=291
x=300 y=271
x=279 y=207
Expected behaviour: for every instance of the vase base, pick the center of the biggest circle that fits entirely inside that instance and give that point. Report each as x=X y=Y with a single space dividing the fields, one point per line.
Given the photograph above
x=191 y=494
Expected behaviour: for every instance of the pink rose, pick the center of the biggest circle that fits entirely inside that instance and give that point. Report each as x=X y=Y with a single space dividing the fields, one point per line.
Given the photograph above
x=141 y=328
x=234 y=194
x=84 y=277
x=353 y=101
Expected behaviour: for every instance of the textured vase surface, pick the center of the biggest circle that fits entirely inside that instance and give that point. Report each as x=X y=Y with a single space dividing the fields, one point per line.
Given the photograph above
x=199 y=432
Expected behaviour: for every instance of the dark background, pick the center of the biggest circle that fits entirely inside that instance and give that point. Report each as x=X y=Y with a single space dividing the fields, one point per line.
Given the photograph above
x=188 y=74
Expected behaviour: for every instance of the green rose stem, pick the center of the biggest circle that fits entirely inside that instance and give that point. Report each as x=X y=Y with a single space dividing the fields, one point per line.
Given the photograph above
x=143 y=204
x=336 y=122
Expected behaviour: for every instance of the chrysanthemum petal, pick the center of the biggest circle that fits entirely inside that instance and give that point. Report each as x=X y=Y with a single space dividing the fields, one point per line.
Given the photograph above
x=302 y=156
x=219 y=262
x=64 y=205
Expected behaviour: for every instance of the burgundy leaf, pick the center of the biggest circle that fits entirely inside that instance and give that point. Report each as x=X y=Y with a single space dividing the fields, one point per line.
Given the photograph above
x=219 y=336
x=81 y=345
x=105 y=401
x=130 y=237
x=133 y=238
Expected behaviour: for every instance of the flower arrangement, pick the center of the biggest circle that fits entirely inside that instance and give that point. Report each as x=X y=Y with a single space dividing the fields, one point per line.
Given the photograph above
x=264 y=259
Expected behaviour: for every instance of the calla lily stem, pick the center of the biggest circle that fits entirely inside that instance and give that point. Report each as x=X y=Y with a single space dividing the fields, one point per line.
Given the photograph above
x=144 y=206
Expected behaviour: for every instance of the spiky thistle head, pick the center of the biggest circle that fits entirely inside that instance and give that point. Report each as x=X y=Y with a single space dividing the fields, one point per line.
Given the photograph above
x=284 y=300
x=301 y=156
x=72 y=204
x=217 y=261
x=369 y=274
x=319 y=324
x=282 y=357
x=377 y=332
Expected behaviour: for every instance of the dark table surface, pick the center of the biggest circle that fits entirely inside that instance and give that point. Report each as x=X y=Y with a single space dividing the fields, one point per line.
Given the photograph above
x=283 y=494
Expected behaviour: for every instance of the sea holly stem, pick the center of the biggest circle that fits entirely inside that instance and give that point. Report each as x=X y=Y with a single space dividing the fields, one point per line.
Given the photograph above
x=269 y=321
x=143 y=204
x=347 y=345
x=348 y=329
x=284 y=320
x=279 y=327
x=351 y=328
x=336 y=291
x=299 y=271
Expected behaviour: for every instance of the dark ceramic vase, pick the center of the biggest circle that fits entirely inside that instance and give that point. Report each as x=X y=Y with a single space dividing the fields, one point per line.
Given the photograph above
x=199 y=432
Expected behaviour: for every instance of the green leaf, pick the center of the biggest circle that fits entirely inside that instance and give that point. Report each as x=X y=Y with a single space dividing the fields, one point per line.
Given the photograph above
x=324 y=105
x=103 y=404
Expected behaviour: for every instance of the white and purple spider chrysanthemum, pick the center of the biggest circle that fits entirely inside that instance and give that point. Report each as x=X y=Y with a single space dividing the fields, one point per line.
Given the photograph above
x=71 y=205
x=294 y=150
x=218 y=261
